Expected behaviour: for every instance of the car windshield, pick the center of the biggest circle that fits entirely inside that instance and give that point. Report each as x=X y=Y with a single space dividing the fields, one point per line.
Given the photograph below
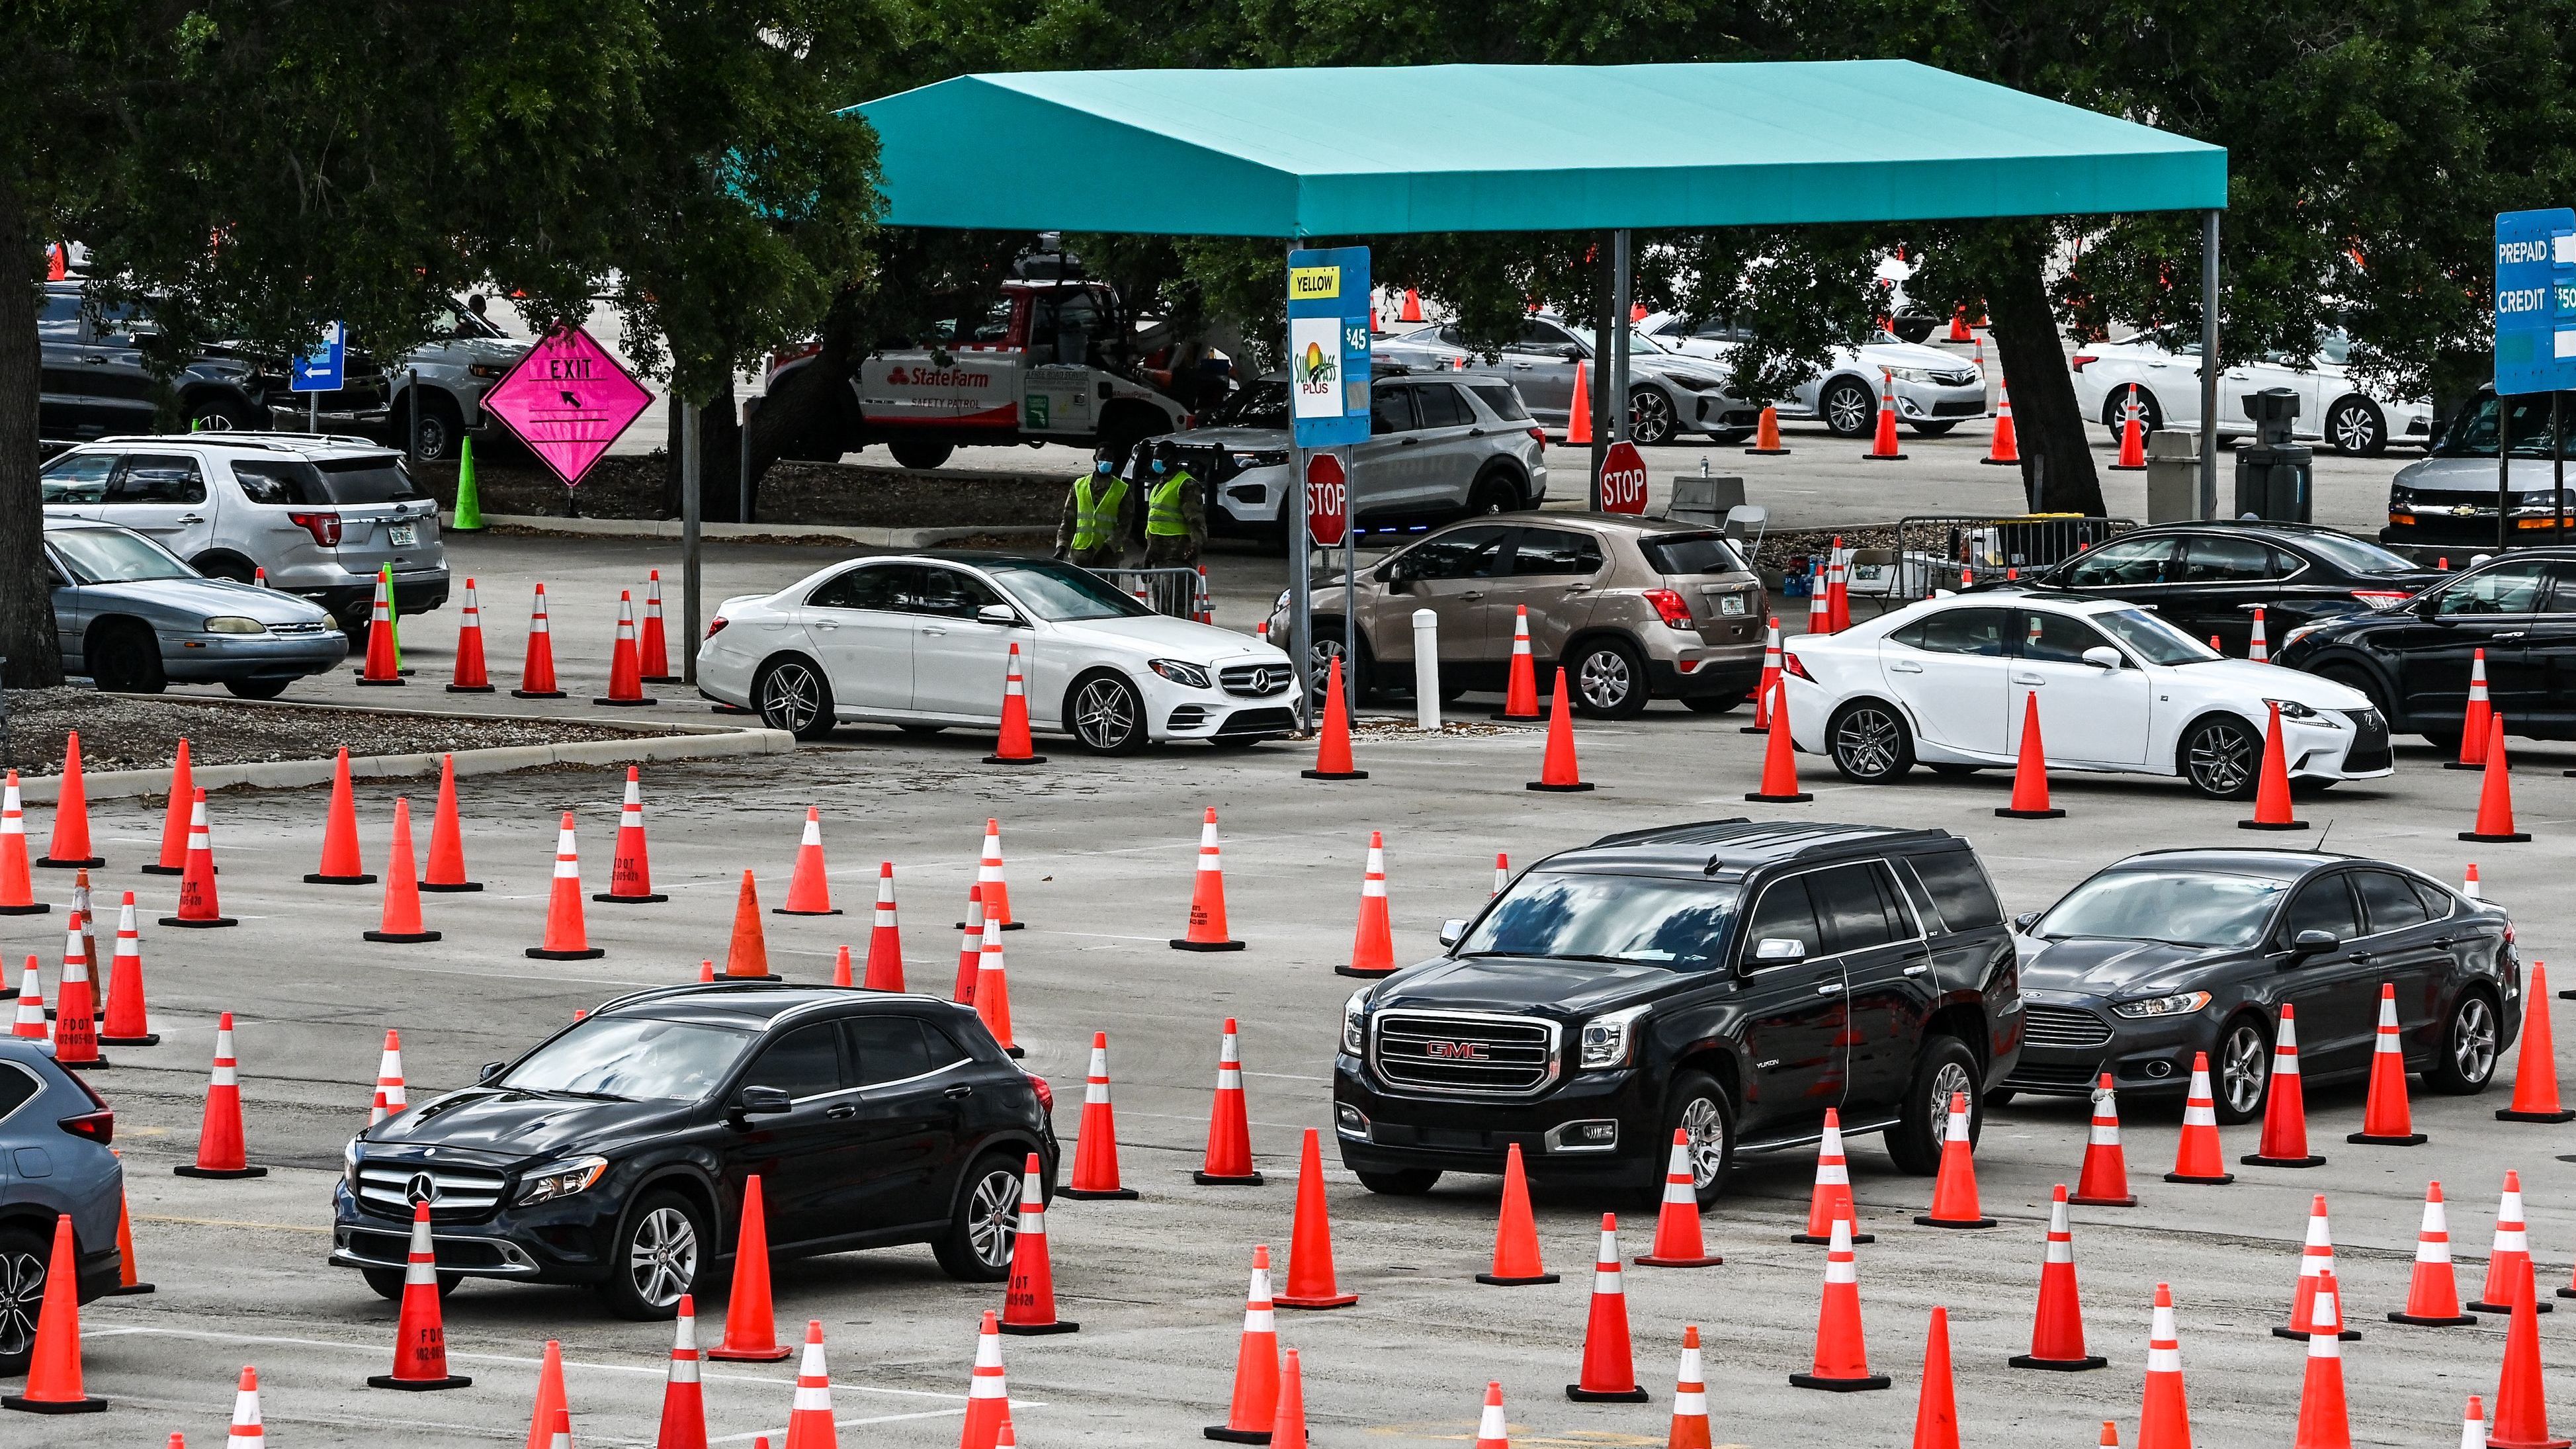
x=1677 y=923
x=632 y=1058
x=2185 y=907
x=2472 y=433
x=2151 y=638
x=2354 y=555
x=1061 y=593
x=113 y=556
x=1263 y=404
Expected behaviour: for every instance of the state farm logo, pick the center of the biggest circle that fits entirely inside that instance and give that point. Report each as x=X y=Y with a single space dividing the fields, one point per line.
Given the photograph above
x=902 y=376
x=1456 y=1051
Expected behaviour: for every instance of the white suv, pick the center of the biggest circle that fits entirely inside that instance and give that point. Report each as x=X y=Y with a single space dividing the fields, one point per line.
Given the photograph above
x=320 y=513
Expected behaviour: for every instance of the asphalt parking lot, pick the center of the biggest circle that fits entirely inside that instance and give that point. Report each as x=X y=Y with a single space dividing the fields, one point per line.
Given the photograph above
x=1099 y=855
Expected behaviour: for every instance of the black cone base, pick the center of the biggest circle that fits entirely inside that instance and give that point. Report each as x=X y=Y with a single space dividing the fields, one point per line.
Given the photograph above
x=2349 y=1335
x=1487 y=1278
x=2259 y=1160
x=1224 y=1435
x=360 y=675
x=1178 y=945
x=624 y=703
x=1651 y=1261
x=2503 y=1114
x=1813 y=1240
x=1759 y=798
x=663 y=679
x=1882 y=457
x=93 y=863
x=460 y=888
x=783 y=911
x=2008 y=463
x=54 y=1406
x=1840 y=1386
x=2221 y=1180
x=149 y=1038
x=590 y=953
x=37 y=909
x=192 y=1170
x=417 y=1386
x=2456 y=765
x=2062 y=1365
x=1362 y=975
x=1032 y=1329
x=2008 y=813
x=339 y=880
x=1019 y=926
x=1333 y=774
x=612 y=898
x=1582 y=1395
x=400 y=938
x=2092 y=1202
x=1577 y=788
x=2271 y=825
x=2411 y=1139
x=1084 y=1194
x=1015 y=759
x=2543 y=1306
x=2463 y=1321
x=537 y=694
x=470 y=689
x=1768 y=452
x=2510 y=837
x=1929 y=1221
x=183 y=923
x=128 y=1290
x=158 y=869
x=2125 y=467
x=1211 y=1179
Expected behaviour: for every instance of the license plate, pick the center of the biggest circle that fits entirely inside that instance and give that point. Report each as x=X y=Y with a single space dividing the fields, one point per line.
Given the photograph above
x=402 y=535
x=1731 y=605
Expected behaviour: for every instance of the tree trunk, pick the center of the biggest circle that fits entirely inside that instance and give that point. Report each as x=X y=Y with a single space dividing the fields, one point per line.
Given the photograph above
x=27 y=641
x=2046 y=420
x=809 y=413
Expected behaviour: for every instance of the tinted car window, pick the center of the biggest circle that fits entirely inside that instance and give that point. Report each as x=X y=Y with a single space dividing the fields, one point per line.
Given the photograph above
x=944 y=592
x=1689 y=553
x=16 y=1087
x=2130 y=561
x=1856 y=915
x=1502 y=399
x=806 y=1062
x=1551 y=551
x=2322 y=905
x=2213 y=559
x=60 y=320
x=861 y=588
x=2562 y=589
x=2438 y=903
x=2389 y=900
x=2057 y=639
x=1538 y=336
x=1442 y=407
x=378 y=479
x=1391 y=411
x=1958 y=631
x=2512 y=588
x=283 y=481
x=78 y=477
x=1785 y=912
x=158 y=478
x=1469 y=553
x=887 y=1048
x=1676 y=923
x=1959 y=890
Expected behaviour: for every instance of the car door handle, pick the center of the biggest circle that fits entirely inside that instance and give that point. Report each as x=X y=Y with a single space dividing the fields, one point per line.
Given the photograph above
x=94 y=361
x=1475 y=432
x=2508 y=634
x=1473 y=594
x=1918 y=968
x=1829 y=988
x=1902 y=667
x=959 y=1093
x=191 y=518
x=843 y=1110
x=2031 y=679
x=1407 y=442
x=827 y=624
x=1523 y=366
x=1578 y=588
x=941 y=633
x=2361 y=958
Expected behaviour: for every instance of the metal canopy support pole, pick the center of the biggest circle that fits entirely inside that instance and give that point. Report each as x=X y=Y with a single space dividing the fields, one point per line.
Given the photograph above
x=691 y=512
x=2209 y=364
x=1301 y=623
x=1620 y=286
x=742 y=461
x=1350 y=597
x=2504 y=471
x=1599 y=402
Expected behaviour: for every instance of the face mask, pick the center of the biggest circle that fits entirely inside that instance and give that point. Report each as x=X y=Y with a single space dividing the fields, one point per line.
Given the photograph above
x=1102 y=468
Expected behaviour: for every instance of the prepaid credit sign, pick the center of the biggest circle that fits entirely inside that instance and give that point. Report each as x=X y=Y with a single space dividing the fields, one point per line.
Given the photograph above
x=2535 y=300
x=1328 y=346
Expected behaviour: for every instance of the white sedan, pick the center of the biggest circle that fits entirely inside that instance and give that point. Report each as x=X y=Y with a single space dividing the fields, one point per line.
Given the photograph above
x=2334 y=407
x=1943 y=682
x=923 y=641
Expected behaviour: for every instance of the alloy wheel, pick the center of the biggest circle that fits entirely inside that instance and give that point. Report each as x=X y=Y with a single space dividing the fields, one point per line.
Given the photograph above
x=1104 y=714
x=2221 y=759
x=1867 y=741
x=1650 y=417
x=1847 y=409
x=1704 y=1138
x=22 y=1295
x=1320 y=655
x=1604 y=680
x=2473 y=1039
x=2244 y=1066
x=662 y=1258
x=2354 y=428
x=1951 y=1080
x=791 y=697
x=993 y=1216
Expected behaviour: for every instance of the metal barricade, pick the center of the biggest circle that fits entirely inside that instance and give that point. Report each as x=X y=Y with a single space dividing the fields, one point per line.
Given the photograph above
x=1940 y=551
x=1179 y=592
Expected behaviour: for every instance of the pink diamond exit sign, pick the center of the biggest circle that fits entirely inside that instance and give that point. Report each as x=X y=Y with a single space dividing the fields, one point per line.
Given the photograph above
x=568 y=400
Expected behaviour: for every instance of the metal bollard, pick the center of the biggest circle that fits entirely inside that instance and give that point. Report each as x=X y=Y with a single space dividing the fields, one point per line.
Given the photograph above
x=1426 y=669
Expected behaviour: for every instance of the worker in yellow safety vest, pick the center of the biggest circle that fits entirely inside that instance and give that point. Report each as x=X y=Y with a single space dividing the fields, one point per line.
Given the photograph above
x=1175 y=513
x=1096 y=513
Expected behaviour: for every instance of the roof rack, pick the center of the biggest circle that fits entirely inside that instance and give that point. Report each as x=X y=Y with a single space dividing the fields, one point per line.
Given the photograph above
x=277 y=440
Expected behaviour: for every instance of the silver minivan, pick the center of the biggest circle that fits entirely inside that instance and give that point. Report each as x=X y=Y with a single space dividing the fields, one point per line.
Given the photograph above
x=320 y=514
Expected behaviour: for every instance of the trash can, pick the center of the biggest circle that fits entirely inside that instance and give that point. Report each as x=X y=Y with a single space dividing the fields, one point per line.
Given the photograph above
x=2275 y=478
x=2173 y=476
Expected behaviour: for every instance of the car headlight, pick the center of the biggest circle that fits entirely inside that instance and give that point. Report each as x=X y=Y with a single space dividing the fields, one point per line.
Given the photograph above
x=2181 y=1003
x=2297 y=634
x=561 y=1179
x=1280 y=604
x=1354 y=1022
x=234 y=624
x=349 y=1164
x=1180 y=673
x=485 y=369
x=1909 y=374
x=1697 y=383
x=1611 y=1040
x=1271 y=458
x=2292 y=709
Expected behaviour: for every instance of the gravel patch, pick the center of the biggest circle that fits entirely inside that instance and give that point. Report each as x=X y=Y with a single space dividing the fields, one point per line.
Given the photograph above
x=142 y=732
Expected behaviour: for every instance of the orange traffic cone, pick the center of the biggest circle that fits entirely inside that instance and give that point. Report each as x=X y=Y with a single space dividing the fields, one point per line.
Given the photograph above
x=2057 y=1328
x=809 y=888
x=391 y=1094
x=747 y=954
x=1373 y=944
x=248 y=1429
x=341 y=864
x=2316 y=1264
x=446 y=872
x=1229 y=1141
x=2104 y=1181
x=2005 y=450
x=809 y=1420
x=1770 y=680
x=1678 y=1243
x=2477 y=721
x=1766 y=434
x=1959 y=326
x=2521 y=1399
x=1517 y=1262
x=2259 y=651
x=1207 y=929
x=684 y=1403
x=550 y=1408
x=1520 y=687
x=2473 y=1424
x=1578 y=421
x=1256 y=1365
x=198 y=907
x=993 y=987
x=840 y=967
x=2495 y=793
x=17 y=888
x=1690 y=1397
x=630 y=869
x=566 y=937
x=1832 y=1197
x=1842 y=1355
x=750 y=1333
x=1310 y=1239
x=2535 y=1073
x=1954 y=1191
x=30 y=1022
x=652 y=645
x=2322 y=1420
x=420 y=1336
x=129 y=1276
x=2272 y=793
x=70 y=847
x=1502 y=873
x=1011 y=745
x=885 y=937
x=219 y=1134
x=381 y=667
x=537 y=672
x=1493 y=1431
x=401 y=921
x=2133 y=437
x=174 y=819
x=1779 y=756
x=76 y=1002
x=54 y=1363
x=1412 y=307
x=1882 y=445
x=2164 y=1414
x=1557 y=771
x=1333 y=740
x=1095 y=1153
x=1936 y=1405
x=2433 y=1293
x=469 y=676
x=1838 y=587
x=1288 y=1427
x=2285 y=1111
x=970 y=947
x=2509 y=1260
x=1609 y=1365
x=1028 y=1303
x=988 y=1391
x=2197 y=1156
x=2030 y=770
x=2386 y=1120
x=988 y=875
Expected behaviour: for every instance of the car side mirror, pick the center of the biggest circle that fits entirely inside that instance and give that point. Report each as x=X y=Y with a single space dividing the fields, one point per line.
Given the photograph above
x=2023 y=922
x=759 y=1101
x=2311 y=943
x=1774 y=949
x=489 y=1071
x=1453 y=931
x=2102 y=656
x=1002 y=614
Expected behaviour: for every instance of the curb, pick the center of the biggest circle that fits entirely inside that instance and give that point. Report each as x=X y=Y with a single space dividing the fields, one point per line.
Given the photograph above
x=761 y=532
x=682 y=742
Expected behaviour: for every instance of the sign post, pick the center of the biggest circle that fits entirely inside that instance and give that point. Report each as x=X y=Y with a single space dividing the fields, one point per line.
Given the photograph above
x=1623 y=479
x=1328 y=390
x=2535 y=332
x=324 y=369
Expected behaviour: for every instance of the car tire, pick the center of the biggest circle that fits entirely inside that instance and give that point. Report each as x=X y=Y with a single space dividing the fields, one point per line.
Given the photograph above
x=1848 y=407
x=2354 y=677
x=2240 y=1069
x=1713 y=703
x=1945 y=1066
x=2444 y=742
x=1728 y=437
x=442 y=425
x=1495 y=492
x=125 y=658
x=230 y=566
x=1399 y=1181
x=257 y=688
x=1105 y=713
x=792 y=694
x=2115 y=411
x=1361 y=668
x=387 y=1283
x=1869 y=742
x=2356 y=428
x=2472 y=1039
x=23 y=1258
x=1606 y=679
x=663 y=1250
x=976 y=1246
x=1650 y=417
x=2222 y=757
x=1931 y=430
x=1697 y=1105
x=212 y=412
x=917 y=453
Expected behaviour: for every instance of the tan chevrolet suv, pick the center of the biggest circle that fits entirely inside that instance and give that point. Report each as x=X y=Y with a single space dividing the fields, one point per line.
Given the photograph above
x=1634 y=608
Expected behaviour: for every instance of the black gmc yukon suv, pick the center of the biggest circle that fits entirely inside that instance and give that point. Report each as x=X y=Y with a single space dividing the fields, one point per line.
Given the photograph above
x=1732 y=979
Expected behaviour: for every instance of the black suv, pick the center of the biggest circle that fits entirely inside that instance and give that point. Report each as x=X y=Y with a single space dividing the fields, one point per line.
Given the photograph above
x=614 y=1154
x=93 y=384
x=1731 y=979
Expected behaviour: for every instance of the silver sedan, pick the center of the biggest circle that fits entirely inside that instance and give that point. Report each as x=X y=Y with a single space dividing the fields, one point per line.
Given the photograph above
x=134 y=618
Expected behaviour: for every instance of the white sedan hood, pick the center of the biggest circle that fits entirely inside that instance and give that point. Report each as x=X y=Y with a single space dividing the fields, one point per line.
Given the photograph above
x=2271 y=681
x=1168 y=637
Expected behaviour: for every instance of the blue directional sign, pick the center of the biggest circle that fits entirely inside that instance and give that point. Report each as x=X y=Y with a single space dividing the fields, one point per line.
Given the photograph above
x=325 y=367
x=2535 y=300
x=1328 y=346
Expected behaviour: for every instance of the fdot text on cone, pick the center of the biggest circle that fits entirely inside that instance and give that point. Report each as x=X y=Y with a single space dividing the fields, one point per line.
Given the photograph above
x=1028 y=1301
x=1207 y=930
x=420 y=1336
x=630 y=867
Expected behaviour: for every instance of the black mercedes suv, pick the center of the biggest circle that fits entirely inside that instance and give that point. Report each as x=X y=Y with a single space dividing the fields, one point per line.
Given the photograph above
x=1731 y=979
x=614 y=1154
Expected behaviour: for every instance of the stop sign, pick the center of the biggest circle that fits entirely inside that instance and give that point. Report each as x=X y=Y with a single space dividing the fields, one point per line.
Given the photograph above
x=1623 y=480
x=1328 y=500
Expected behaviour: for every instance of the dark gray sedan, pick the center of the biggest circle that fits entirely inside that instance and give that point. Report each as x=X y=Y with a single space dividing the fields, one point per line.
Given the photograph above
x=134 y=617
x=2177 y=952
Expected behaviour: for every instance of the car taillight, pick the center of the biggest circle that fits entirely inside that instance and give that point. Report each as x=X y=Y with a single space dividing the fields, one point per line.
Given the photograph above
x=98 y=1126
x=716 y=625
x=1791 y=664
x=2076 y=363
x=1540 y=434
x=1046 y=1094
x=325 y=527
x=2381 y=598
x=1671 y=607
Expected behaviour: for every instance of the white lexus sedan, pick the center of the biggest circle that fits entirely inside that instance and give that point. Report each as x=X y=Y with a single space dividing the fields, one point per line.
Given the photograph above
x=923 y=641
x=1942 y=683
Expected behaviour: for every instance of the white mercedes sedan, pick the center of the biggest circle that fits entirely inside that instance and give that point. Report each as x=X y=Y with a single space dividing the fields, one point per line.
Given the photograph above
x=923 y=641
x=1942 y=683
